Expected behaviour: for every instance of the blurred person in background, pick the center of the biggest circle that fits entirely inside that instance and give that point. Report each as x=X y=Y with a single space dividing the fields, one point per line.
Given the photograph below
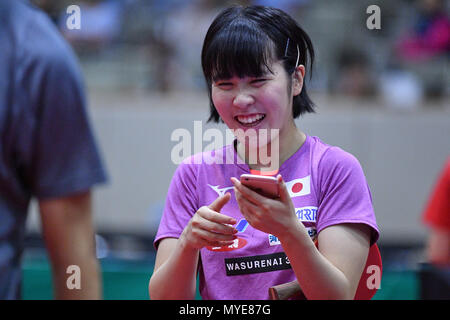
x=429 y=36
x=183 y=33
x=437 y=217
x=424 y=48
x=47 y=152
x=180 y=41
x=354 y=77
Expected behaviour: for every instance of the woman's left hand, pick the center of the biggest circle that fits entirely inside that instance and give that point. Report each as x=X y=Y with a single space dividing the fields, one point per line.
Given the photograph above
x=268 y=215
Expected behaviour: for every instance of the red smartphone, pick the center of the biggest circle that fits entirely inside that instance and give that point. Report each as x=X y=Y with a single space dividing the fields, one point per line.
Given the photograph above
x=264 y=185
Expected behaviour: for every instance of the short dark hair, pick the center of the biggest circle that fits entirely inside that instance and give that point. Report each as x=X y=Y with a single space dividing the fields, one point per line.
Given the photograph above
x=242 y=41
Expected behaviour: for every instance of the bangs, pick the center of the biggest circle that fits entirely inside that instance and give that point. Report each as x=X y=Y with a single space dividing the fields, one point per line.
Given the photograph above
x=239 y=49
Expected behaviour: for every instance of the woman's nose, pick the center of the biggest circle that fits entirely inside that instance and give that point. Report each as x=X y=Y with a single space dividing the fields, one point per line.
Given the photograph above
x=243 y=100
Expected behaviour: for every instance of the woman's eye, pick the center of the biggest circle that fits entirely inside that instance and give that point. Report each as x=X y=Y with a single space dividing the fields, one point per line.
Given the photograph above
x=224 y=84
x=258 y=81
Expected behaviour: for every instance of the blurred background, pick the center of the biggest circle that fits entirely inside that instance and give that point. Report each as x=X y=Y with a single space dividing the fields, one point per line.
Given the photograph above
x=381 y=94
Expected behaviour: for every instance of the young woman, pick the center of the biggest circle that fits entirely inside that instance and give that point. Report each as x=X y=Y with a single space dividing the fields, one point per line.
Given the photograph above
x=239 y=242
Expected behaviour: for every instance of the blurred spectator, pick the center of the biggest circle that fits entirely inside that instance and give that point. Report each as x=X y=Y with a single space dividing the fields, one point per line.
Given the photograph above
x=400 y=88
x=354 y=76
x=429 y=35
x=47 y=152
x=424 y=49
x=183 y=36
x=437 y=217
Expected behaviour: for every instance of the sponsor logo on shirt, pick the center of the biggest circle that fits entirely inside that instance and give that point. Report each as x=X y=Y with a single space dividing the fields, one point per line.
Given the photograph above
x=237 y=244
x=257 y=264
x=273 y=240
x=304 y=214
x=220 y=191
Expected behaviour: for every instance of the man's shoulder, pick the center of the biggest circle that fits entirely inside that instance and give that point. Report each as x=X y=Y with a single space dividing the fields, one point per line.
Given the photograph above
x=34 y=36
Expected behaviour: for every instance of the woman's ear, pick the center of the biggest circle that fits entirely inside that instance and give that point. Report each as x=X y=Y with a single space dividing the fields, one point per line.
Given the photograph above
x=297 y=80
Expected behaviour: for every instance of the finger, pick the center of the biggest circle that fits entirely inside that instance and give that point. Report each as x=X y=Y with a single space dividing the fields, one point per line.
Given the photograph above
x=211 y=215
x=218 y=243
x=213 y=236
x=248 y=209
x=284 y=193
x=214 y=226
x=243 y=201
x=218 y=204
x=248 y=193
x=201 y=243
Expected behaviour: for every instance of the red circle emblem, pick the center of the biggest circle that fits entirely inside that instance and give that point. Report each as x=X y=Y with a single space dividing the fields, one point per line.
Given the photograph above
x=297 y=187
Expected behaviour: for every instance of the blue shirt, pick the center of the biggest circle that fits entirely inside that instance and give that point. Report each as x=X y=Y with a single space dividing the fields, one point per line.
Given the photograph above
x=47 y=148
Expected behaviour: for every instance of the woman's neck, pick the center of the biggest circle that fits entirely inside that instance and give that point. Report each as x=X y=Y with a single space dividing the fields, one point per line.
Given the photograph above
x=272 y=155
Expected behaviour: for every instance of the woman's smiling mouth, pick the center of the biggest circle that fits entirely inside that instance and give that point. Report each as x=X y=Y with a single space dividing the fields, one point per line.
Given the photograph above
x=250 y=120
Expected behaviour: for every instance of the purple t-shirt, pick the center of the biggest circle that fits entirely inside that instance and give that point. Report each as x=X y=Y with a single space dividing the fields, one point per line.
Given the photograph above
x=327 y=186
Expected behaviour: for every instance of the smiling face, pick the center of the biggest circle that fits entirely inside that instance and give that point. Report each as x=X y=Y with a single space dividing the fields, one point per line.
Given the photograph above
x=263 y=102
x=253 y=60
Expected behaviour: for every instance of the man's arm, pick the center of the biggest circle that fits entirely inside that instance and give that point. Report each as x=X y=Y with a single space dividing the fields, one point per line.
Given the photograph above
x=69 y=236
x=437 y=217
x=438 y=247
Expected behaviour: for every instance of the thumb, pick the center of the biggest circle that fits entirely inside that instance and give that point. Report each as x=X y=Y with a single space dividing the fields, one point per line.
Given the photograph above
x=218 y=204
x=284 y=193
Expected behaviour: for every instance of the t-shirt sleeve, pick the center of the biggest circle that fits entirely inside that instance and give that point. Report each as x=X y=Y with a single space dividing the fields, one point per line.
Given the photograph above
x=344 y=193
x=437 y=211
x=63 y=157
x=181 y=203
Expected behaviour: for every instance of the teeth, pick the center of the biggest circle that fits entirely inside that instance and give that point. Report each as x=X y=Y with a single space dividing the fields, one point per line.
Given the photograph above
x=250 y=119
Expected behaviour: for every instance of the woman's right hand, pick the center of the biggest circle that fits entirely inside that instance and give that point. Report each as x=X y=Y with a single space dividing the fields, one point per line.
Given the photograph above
x=208 y=227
